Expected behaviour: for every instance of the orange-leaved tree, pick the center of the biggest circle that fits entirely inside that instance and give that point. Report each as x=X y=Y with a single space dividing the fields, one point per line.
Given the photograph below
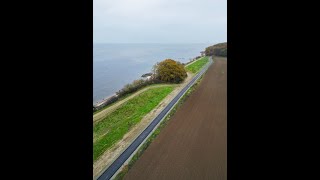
x=170 y=71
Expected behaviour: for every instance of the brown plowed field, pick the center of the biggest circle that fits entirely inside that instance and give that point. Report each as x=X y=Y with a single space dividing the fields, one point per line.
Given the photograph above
x=193 y=145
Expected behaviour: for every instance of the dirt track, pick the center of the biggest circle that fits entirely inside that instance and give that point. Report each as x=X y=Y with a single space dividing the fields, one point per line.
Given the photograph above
x=194 y=143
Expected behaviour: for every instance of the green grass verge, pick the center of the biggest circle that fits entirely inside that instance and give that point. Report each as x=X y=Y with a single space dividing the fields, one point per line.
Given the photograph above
x=125 y=96
x=197 y=66
x=113 y=127
x=145 y=145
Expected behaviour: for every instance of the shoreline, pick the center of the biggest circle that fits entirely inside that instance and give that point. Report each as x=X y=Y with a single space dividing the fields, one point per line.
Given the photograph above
x=101 y=102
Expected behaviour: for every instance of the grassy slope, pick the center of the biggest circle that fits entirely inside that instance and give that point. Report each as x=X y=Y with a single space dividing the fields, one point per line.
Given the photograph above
x=128 y=96
x=196 y=66
x=113 y=127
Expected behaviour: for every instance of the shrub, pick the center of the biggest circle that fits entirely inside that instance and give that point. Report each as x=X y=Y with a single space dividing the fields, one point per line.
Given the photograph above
x=135 y=86
x=170 y=71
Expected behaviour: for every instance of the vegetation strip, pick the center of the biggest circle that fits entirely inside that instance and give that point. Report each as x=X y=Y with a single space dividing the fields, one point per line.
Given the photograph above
x=198 y=65
x=114 y=126
x=111 y=107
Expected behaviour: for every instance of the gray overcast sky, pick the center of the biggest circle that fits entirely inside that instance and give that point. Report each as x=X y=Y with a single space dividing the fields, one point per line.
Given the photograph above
x=159 y=21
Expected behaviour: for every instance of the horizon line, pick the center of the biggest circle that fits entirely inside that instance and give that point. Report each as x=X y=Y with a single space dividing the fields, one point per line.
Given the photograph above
x=153 y=42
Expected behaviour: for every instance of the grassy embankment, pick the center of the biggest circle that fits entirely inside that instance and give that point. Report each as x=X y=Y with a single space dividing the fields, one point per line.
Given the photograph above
x=197 y=66
x=151 y=138
x=126 y=96
x=114 y=126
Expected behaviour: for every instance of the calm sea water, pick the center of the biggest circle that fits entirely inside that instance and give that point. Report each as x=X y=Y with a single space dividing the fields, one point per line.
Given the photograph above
x=115 y=65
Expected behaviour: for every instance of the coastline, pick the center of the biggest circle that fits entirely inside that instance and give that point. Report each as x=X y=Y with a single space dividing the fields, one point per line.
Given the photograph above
x=116 y=65
x=104 y=100
x=100 y=103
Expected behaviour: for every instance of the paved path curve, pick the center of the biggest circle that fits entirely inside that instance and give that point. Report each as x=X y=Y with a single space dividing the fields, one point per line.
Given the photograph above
x=113 y=168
